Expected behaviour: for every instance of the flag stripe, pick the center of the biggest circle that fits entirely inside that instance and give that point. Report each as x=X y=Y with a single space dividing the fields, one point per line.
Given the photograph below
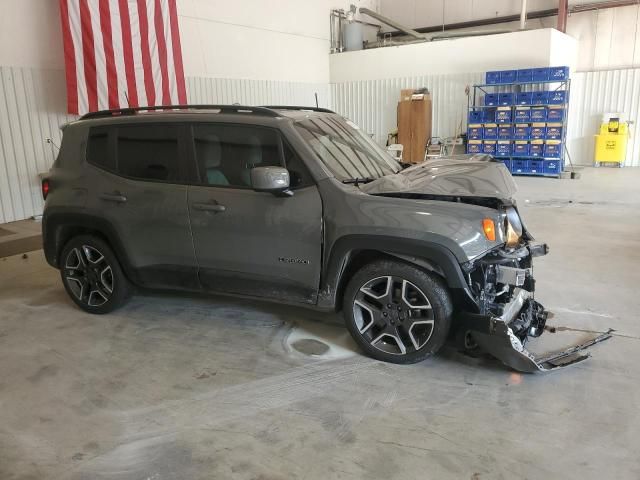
x=138 y=64
x=99 y=55
x=127 y=50
x=69 y=59
x=121 y=53
x=145 y=47
x=173 y=88
x=76 y=35
x=116 y=37
x=107 y=45
x=177 y=52
x=89 y=55
x=162 y=53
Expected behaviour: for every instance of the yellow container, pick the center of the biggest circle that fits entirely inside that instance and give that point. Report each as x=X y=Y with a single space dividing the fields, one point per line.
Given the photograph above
x=611 y=148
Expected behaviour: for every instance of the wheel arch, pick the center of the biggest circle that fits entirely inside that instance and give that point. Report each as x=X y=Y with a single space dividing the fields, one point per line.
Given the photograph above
x=60 y=227
x=352 y=252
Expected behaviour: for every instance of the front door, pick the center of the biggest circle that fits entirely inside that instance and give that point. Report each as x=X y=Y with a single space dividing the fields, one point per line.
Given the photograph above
x=248 y=242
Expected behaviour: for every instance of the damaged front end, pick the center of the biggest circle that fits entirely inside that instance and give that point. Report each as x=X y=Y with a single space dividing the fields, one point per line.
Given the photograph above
x=507 y=313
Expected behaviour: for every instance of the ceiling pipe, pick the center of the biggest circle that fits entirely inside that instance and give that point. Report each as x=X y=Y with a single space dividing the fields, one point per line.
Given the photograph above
x=523 y=15
x=552 y=12
x=392 y=23
x=563 y=12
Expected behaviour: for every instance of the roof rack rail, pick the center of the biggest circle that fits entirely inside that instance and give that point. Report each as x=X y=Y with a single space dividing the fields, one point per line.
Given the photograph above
x=293 y=107
x=222 y=108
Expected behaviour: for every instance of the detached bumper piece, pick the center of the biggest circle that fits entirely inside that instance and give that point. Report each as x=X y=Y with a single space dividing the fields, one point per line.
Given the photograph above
x=495 y=337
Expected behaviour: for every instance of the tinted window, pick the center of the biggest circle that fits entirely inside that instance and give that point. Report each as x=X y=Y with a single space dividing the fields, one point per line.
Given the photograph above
x=344 y=149
x=148 y=152
x=98 y=149
x=298 y=173
x=226 y=153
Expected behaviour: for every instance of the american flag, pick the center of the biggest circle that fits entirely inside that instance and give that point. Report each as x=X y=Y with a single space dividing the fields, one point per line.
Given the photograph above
x=121 y=53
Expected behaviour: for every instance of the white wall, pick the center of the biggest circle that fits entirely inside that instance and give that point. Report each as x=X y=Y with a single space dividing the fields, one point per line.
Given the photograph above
x=607 y=39
x=464 y=55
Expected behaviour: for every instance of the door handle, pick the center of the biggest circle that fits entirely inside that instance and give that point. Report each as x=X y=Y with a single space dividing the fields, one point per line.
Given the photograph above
x=210 y=207
x=113 y=197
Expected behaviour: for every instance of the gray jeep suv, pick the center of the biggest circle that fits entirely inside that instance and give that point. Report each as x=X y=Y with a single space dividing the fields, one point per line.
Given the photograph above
x=296 y=205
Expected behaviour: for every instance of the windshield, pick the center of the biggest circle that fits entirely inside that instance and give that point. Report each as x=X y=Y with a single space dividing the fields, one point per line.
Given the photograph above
x=345 y=150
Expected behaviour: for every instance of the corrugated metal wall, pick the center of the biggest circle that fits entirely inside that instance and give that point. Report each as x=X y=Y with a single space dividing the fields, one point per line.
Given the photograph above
x=372 y=104
x=31 y=106
x=32 y=103
x=595 y=93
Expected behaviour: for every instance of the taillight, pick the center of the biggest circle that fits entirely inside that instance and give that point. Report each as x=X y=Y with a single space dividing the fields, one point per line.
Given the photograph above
x=46 y=186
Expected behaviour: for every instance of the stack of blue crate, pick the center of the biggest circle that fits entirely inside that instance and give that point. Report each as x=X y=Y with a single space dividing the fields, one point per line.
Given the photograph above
x=523 y=124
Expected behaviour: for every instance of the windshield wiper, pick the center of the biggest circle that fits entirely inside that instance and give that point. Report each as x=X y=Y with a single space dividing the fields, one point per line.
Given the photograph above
x=356 y=181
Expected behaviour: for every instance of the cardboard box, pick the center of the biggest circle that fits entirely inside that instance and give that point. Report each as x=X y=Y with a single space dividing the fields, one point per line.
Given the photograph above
x=405 y=94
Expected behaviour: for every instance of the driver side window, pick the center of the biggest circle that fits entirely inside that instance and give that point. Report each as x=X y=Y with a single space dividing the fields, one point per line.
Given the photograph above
x=225 y=154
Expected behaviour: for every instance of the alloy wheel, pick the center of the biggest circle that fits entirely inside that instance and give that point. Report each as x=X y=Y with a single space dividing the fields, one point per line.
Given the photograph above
x=89 y=276
x=393 y=315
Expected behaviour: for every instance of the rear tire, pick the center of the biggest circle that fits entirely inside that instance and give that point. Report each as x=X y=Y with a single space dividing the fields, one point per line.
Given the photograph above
x=92 y=276
x=397 y=312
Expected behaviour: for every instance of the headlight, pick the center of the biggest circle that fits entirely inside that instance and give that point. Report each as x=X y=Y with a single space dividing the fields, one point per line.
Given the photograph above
x=512 y=237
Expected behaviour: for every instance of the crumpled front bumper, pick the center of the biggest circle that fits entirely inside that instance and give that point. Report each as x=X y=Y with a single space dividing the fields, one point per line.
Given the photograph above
x=495 y=335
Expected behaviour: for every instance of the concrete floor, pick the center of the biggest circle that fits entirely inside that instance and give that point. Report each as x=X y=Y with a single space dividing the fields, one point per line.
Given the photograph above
x=186 y=387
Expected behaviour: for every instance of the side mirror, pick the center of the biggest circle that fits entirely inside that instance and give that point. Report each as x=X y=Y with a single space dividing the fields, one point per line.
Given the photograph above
x=270 y=179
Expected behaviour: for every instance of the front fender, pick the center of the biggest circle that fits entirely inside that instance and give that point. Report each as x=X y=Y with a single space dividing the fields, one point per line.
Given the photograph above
x=424 y=254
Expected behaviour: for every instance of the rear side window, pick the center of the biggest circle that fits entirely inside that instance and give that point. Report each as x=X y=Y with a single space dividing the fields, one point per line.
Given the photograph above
x=149 y=152
x=143 y=152
x=98 y=152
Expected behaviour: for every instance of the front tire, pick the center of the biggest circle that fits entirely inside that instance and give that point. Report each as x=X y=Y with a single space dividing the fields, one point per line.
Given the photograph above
x=92 y=276
x=396 y=312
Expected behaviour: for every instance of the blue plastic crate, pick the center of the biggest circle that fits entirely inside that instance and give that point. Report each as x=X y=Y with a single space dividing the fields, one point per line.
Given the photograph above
x=505 y=132
x=474 y=132
x=552 y=150
x=490 y=133
x=538 y=133
x=503 y=116
x=524 y=98
x=492 y=99
x=524 y=75
x=535 y=167
x=492 y=78
x=521 y=149
x=539 y=98
x=508 y=76
x=536 y=150
x=538 y=115
x=551 y=167
x=489 y=115
x=523 y=115
x=555 y=114
x=557 y=97
x=474 y=147
x=554 y=132
x=489 y=148
x=506 y=162
x=503 y=149
x=522 y=132
x=476 y=116
x=519 y=166
x=506 y=99
x=540 y=74
x=558 y=73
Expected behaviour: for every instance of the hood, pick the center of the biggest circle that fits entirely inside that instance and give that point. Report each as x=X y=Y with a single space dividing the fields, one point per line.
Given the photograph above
x=459 y=176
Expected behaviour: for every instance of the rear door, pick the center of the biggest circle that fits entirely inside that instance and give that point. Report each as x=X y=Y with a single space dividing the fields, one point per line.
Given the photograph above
x=139 y=189
x=247 y=242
